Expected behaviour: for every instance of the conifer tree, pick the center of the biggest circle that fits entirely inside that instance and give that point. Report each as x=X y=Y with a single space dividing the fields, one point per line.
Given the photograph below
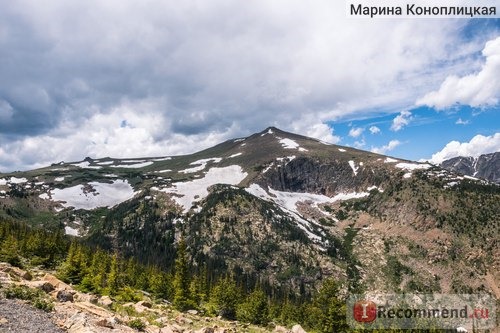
x=9 y=251
x=224 y=297
x=254 y=308
x=74 y=267
x=182 y=296
x=332 y=312
x=112 y=280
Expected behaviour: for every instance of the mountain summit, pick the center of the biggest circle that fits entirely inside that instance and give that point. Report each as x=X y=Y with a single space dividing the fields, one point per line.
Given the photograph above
x=279 y=208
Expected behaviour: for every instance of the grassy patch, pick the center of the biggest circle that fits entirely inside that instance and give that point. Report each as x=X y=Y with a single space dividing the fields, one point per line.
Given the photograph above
x=35 y=297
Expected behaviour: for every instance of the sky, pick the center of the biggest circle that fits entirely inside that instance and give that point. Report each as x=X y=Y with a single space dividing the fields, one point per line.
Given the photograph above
x=159 y=77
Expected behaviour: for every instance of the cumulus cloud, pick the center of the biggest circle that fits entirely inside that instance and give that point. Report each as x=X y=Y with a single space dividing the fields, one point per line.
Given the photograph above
x=478 y=145
x=388 y=147
x=210 y=69
x=401 y=120
x=374 y=130
x=356 y=131
x=475 y=89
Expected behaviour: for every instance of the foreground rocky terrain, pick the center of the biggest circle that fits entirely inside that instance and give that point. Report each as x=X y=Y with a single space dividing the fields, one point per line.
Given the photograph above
x=77 y=312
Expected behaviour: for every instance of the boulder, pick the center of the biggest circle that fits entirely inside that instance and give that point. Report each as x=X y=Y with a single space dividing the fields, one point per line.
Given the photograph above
x=64 y=296
x=192 y=312
x=55 y=282
x=281 y=329
x=145 y=304
x=104 y=323
x=105 y=301
x=298 y=329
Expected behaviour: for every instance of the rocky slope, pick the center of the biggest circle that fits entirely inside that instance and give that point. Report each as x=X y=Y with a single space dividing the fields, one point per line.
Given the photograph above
x=76 y=312
x=485 y=166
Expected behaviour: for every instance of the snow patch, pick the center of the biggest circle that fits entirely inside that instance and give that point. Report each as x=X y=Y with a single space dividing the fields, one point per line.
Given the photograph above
x=342 y=150
x=71 y=231
x=289 y=144
x=234 y=155
x=3 y=182
x=162 y=171
x=187 y=192
x=407 y=175
x=59 y=179
x=102 y=195
x=14 y=180
x=289 y=200
x=269 y=131
x=390 y=160
x=85 y=165
x=287 y=159
x=105 y=163
x=161 y=159
x=203 y=164
x=374 y=188
x=44 y=196
x=412 y=166
x=354 y=167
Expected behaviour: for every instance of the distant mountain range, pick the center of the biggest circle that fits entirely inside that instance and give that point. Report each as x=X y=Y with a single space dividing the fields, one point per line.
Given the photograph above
x=283 y=209
x=485 y=166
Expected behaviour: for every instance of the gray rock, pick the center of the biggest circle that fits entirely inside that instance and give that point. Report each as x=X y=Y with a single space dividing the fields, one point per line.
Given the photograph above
x=298 y=329
x=64 y=296
x=105 y=301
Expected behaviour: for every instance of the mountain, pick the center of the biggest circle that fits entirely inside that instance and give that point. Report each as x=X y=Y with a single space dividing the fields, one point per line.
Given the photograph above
x=485 y=166
x=280 y=209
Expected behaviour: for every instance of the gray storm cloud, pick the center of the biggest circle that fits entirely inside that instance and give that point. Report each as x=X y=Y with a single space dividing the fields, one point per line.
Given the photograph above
x=193 y=71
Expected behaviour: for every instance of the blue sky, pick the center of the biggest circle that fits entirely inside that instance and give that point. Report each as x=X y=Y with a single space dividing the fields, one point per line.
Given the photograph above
x=162 y=77
x=426 y=133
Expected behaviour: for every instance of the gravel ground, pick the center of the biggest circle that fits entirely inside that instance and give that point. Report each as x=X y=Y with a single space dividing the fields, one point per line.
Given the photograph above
x=18 y=317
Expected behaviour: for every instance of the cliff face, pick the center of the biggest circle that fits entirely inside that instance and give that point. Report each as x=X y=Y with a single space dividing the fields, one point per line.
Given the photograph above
x=485 y=166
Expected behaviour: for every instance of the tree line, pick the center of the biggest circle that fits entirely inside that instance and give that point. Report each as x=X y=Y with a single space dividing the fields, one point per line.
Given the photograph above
x=125 y=279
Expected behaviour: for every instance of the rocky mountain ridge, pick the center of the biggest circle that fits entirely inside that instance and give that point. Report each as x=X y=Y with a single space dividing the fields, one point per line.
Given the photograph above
x=486 y=166
x=278 y=208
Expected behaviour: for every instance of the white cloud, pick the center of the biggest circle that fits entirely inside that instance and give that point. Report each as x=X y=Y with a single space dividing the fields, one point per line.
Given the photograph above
x=360 y=143
x=374 y=130
x=202 y=72
x=401 y=120
x=462 y=122
x=475 y=89
x=478 y=145
x=356 y=131
x=388 y=147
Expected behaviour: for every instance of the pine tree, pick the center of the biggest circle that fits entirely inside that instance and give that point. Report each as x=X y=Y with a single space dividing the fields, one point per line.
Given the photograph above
x=9 y=251
x=112 y=280
x=332 y=312
x=160 y=283
x=182 y=296
x=74 y=267
x=254 y=308
x=224 y=297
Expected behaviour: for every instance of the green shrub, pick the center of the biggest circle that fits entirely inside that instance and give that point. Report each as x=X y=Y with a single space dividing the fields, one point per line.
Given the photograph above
x=137 y=324
x=35 y=297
